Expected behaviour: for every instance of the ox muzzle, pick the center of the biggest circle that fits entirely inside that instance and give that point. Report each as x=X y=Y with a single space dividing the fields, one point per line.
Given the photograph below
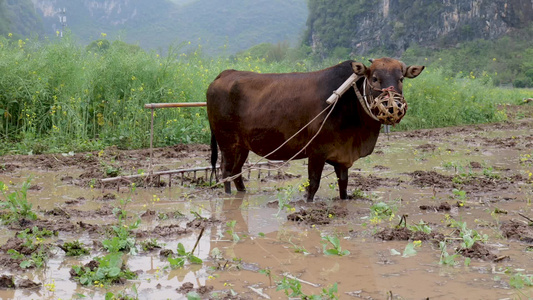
x=389 y=107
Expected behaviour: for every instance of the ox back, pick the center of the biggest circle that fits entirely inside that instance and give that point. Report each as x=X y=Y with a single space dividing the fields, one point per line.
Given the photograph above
x=258 y=112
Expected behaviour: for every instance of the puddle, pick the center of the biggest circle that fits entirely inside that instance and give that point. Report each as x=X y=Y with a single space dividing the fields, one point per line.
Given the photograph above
x=407 y=170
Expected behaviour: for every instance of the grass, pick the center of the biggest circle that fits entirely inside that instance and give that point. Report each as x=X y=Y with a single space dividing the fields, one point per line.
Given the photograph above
x=56 y=96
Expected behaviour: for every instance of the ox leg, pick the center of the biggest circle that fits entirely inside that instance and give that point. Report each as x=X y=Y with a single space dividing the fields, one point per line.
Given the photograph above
x=316 y=165
x=226 y=172
x=342 y=176
x=241 y=157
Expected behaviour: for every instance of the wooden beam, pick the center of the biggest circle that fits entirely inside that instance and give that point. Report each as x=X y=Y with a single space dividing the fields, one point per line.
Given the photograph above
x=180 y=104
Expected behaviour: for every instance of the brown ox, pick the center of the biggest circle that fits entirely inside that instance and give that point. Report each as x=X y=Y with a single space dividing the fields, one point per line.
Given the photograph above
x=258 y=112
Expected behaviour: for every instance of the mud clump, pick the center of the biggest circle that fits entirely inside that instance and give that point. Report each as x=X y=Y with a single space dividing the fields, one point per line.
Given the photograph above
x=320 y=214
x=444 y=206
x=431 y=179
x=517 y=230
x=27 y=284
x=404 y=234
x=16 y=244
x=479 y=251
x=188 y=287
x=163 y=231
x=7 y=282
x=202 y=222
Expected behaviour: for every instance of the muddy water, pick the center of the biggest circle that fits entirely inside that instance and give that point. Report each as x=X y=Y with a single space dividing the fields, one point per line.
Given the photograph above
x=268 y=240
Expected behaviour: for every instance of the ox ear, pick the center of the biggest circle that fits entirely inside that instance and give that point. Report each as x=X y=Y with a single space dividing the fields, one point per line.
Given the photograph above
x=358 y=68
x=413 y=71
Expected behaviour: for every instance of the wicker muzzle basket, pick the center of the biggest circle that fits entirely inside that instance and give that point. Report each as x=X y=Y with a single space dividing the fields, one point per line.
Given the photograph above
x=389 y=107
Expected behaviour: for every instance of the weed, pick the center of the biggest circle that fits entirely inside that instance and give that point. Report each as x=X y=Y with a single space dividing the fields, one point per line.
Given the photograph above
x=268 y=273
x=460 y=195
x=293 y=288
x=334 y=241
x=108 y=269
x=123 y=295
x=520 y=280
x=231 y=231
x=410 y=249
x=446 y=258
x=179 y=261
x=489 y=173
x=468 y=236
x=150 y=244
x=421 y=226
x=284 y=196
x=381 y=210
x=298 y=249
x=16 y=203
x=74 y=248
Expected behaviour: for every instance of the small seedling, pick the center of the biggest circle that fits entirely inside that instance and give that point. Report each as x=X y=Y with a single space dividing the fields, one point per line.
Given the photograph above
x=183 y=255
x=298 y=249
x=16 y=203
x=110 y=269
x=231 y=231
x=74 y=248
x=446 y=258
x=334 y=241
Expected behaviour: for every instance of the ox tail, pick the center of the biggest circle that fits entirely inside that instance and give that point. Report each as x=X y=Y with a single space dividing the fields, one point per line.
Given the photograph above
x=214 y=158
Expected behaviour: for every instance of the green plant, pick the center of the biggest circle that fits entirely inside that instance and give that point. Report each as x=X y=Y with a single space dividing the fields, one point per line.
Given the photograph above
x=421 y=226
x=179 y=261
x=150 y=244
x=37 y=258
x=291 y=287
x=123 y=295
x=382 y=210
x=36 y=251
x=468 y=236
x=231 y=230
x=489 y=173
x=460 y=195
x=446 y=258
x=16 y=203
x=285 y=195
x=121 y=235
x=520 y=280
x=268 y=273
x=108 y=269
x=334 y=241
x=74 y=248
x=298 y=249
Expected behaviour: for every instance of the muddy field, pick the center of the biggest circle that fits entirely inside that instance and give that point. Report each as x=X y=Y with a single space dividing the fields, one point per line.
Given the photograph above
x=438 y=214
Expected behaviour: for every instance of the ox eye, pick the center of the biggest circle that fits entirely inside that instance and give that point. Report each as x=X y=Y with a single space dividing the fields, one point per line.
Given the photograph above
x=401 y=79
x=374 y=79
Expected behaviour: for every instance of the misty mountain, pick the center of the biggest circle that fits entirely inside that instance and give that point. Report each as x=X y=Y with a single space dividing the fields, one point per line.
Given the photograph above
x=238 y=24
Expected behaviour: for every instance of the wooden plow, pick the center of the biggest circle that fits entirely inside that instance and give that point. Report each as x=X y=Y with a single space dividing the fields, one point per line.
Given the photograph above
x=154 y=178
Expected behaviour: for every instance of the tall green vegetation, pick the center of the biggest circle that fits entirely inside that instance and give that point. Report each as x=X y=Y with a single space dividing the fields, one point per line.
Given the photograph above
x=508 y=60
x=60 y=96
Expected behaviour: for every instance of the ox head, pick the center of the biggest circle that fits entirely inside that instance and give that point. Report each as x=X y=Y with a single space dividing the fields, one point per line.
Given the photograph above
x=383 y=87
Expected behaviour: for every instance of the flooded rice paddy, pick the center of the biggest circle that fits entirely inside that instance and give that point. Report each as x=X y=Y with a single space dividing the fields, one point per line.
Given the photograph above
x=438 y=214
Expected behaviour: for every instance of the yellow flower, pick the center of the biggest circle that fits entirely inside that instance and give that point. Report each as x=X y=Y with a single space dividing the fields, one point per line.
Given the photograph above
x=10 y=34
x=103 y=34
